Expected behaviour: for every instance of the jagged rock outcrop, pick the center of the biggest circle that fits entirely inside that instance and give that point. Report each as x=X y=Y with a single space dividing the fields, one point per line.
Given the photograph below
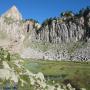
x=64 y=38
x=14 y=30
x=57 y=38
x=71 y=35
x=11 y=28
x=13 y=13
x=59 y=30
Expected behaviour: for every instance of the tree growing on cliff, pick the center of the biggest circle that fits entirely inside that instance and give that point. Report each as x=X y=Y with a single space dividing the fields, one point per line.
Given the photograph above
x=67 y=14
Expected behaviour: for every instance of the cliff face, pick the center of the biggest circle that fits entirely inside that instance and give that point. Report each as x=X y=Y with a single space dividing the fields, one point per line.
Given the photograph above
x=63 y=38
x=13 y=13
x=65 y=29
x=60 y=38
x=14 y=30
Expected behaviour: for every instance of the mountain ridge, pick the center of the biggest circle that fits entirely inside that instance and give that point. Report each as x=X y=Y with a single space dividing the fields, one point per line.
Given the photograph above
x=60 y=38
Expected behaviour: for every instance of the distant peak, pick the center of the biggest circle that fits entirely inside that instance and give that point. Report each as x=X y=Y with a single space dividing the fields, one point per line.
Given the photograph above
x=14 y=8
x=13 y=13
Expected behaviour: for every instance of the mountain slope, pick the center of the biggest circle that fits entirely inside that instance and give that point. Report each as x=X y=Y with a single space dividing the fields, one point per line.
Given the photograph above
x=61 y=38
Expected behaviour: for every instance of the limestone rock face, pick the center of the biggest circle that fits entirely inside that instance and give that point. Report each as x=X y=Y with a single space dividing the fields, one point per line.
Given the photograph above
x=13 y=13
x=62 y=32
x=61 y=38
x=14 y=30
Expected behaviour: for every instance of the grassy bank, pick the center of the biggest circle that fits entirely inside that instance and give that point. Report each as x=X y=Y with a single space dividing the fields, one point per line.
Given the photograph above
x=77 y=73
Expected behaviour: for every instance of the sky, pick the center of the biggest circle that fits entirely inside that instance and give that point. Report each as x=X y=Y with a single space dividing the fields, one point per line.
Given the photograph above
x=42 y=9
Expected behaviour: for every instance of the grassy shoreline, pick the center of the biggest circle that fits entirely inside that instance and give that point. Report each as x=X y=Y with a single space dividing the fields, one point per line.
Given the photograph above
x=77 y=73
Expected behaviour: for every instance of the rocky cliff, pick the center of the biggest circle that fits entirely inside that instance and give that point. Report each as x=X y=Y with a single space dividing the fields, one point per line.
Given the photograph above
x=14 y=30
x=66 y=29
x=61 y=38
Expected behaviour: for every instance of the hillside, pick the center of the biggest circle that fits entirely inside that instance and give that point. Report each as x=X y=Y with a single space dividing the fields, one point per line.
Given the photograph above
x=37 y=56
x=19 y=74
x=61 y=38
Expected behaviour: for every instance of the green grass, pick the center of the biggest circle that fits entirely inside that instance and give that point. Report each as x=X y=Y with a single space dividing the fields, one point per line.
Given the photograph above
x=77 y=73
